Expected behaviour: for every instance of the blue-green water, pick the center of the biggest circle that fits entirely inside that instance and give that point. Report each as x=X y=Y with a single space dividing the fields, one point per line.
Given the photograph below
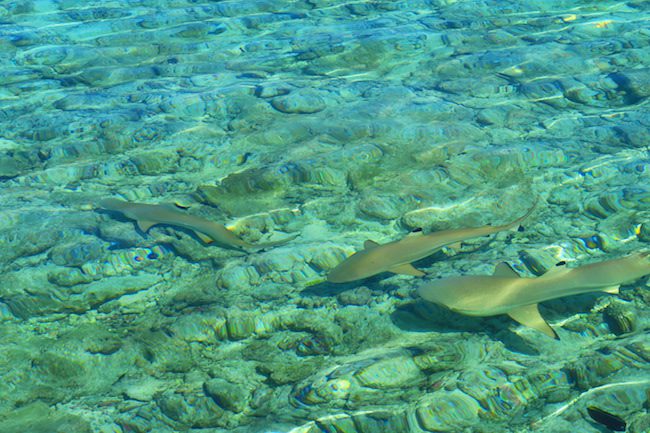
x=340 y=122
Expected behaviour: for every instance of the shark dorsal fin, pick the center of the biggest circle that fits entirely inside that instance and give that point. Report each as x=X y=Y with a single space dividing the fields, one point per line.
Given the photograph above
x=406 y=269
x=528 y=315
x=505 y=270
x=368 y=245
x=145 y=225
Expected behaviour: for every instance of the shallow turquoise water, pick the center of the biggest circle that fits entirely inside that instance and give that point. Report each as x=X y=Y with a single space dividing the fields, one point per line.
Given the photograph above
x=339 y=122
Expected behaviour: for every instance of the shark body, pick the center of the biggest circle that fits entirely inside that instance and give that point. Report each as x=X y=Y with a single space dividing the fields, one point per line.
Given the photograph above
x=148 y=215
x=397 y=256
x=505 y=292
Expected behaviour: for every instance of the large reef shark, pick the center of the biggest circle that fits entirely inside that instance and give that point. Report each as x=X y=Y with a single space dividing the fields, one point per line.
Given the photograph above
x=505 y=292
x=148 y=215
x=397 y=256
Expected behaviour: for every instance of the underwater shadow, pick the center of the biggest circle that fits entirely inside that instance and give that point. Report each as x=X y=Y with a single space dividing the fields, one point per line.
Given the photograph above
x=113 y=214
x=326 y=288
x=422 y=316
x=562 y=308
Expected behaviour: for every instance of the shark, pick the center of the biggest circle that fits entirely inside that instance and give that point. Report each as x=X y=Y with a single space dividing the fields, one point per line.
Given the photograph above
x=149 y=215
x=505 y=292
x=397 y=256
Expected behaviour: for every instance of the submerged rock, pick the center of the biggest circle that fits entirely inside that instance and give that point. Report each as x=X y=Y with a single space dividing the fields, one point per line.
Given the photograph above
x=448 y=412
x=201 y=328
x=341 y=122
x=302 y=101
x=40 y=418
x=240 y=324
x=77 y=253
x=621 y=317
x=192 y=410
x=636 y=82
x=14 y=163
x=230 y=396
x=640 y=422
x=358 y=296
x=382 y=206
x=388 y=373
x=144 y=389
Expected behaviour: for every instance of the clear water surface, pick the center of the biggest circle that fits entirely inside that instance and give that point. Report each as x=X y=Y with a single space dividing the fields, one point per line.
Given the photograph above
x=339 y=122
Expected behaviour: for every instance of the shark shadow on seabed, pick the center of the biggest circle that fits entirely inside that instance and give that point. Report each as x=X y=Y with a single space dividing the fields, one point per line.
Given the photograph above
x=418 y=316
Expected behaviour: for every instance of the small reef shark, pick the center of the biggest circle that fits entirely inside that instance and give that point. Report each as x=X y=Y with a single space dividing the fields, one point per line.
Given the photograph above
x=505 y=292
x=397 y=256
x=148 y=215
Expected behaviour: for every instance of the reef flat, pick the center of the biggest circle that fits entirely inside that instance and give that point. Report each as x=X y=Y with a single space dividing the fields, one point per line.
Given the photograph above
x=341 y=122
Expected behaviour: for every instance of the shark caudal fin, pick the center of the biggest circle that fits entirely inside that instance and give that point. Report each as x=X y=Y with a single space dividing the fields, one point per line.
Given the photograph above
x=528 y=315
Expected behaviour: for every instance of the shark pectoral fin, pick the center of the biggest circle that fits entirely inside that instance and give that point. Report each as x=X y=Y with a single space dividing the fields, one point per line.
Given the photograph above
x=145 y=225
x=407 y=269
x=504 y=270
x=528 y=315
x=611 y=290
x=368 y=245
x=205 y=238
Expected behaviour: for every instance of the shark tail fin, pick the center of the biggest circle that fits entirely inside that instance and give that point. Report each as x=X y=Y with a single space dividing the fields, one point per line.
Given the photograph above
x=528 y=315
